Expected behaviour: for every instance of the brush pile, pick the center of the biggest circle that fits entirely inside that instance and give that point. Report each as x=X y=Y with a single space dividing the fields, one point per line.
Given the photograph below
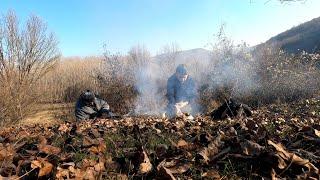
x=278 y=141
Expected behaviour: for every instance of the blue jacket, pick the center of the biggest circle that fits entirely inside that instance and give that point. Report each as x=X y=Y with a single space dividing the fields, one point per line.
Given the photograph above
x=177 y=91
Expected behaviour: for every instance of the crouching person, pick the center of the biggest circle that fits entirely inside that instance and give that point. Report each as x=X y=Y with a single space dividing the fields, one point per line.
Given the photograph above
x=89 y=106
x=181 y=93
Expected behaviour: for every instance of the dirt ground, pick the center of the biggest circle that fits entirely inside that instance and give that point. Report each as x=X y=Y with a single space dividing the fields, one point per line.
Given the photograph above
x=50 y=114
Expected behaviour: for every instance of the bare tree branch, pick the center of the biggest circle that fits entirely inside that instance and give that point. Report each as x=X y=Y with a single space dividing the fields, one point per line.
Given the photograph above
x=27 y=53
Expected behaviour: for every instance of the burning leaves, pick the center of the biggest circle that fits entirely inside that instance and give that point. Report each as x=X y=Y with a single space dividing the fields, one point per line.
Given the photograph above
x=260 y=146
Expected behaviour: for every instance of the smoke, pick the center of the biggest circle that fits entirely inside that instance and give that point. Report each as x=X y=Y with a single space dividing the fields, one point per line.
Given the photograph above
x=234 y=69
x=152 y=73
x=229 y=70
x=150 y=100
x=149 y=83
x=227 y=66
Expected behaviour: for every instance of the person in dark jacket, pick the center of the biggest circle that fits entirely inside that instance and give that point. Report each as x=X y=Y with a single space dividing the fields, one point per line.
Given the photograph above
x=89 y=106
x=181 y=93
x=231 y=108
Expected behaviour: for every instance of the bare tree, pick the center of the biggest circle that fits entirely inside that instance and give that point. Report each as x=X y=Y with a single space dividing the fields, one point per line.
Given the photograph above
x=140 y=56
x=26 y=54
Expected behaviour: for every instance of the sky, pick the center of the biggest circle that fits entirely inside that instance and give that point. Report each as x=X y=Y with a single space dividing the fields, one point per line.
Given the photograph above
x=84 y=26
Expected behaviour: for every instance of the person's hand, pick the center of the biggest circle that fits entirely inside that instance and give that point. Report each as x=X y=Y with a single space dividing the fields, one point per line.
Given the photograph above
x=105 y=115
x=178 y=107
x=181 y=104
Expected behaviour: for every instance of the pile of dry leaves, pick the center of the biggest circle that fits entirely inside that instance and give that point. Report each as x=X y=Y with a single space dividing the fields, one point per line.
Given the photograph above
x=276 y=142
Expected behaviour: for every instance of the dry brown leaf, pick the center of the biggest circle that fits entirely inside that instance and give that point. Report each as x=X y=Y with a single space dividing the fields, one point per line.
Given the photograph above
x=208 y=153
x=211 y=174
x=317 y=133
x=43 y=140
x=45 y=167
x=62 y=173
x=72 y=169
x=111 y=165
x=36 y=164
x=102 y=146
x=90 y=174
x=87 y=142
x=182 y=143
x=164 y=173
x=88 y=163
x=251 y=148
x=95 y=132
x=48 y=149
x=146 y=165
x=293 y=158
x=180 y=168
x=9 y=178
x=117 y=176
x=63 y=128
x=176 y=166
x=94 y=150
x=273 y=174
x=99 y=167
x=6 y=153
x=79 y=174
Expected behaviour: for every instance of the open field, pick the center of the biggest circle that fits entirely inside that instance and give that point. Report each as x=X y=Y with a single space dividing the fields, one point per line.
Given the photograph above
x=278 y=80
x=50 y=114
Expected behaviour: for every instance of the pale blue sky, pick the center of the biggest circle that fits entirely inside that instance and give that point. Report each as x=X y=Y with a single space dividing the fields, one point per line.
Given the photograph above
x=82 y=26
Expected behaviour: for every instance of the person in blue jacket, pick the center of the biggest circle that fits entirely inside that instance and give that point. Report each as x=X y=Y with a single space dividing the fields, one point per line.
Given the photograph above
x=181 y=93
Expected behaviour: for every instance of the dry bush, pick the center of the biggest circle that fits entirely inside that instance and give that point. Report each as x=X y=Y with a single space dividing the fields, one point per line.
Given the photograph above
x=230 y=73
x=136 y=82
x=62 y=86
x=26 y=54
x=285 y=77
x=71 y=76
x=258 y=77
x=116 y=79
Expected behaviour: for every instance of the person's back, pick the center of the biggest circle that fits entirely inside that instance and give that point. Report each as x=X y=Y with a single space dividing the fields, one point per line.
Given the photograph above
x=89 y=107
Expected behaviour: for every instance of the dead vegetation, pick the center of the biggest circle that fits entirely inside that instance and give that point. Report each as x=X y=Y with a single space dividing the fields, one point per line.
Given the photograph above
x=279 y=140
x=276 y=142
x=26 y=54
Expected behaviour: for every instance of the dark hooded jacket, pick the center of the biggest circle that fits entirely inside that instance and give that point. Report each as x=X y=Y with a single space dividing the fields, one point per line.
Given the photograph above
x=231 y=108
x=177 y=91
x=84 y=111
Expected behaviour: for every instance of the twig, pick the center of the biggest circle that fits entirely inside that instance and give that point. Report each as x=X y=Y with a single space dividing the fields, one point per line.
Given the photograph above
x=291 y=161
x=229 y=107
x=311 y=155
x=221 y=153
x=26 y=173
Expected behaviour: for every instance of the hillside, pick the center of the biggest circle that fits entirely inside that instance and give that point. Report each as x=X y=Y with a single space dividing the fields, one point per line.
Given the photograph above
x=184 y=57
x=305 y=37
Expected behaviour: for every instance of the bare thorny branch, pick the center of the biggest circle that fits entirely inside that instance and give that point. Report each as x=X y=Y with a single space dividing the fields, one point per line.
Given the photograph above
x=26 y=55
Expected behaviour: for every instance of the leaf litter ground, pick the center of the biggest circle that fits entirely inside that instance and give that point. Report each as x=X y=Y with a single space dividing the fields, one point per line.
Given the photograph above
x=278 y=141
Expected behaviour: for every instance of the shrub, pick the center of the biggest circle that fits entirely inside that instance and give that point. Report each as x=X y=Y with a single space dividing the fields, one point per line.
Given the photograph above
x=26 y=55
